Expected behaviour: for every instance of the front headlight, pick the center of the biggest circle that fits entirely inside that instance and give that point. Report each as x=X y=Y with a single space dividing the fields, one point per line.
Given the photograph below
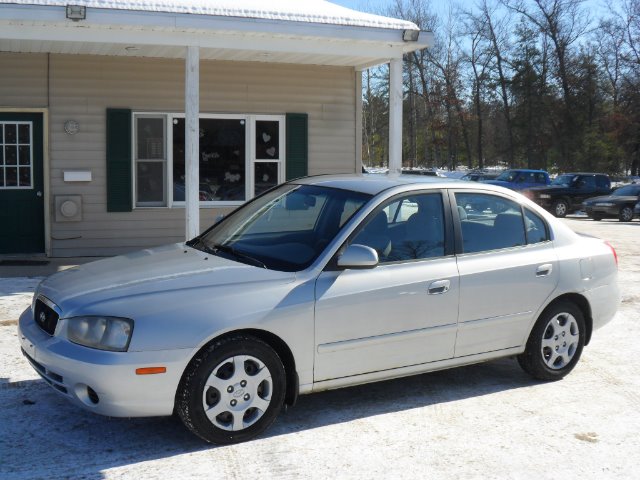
x=103 y=333
x=544 y=195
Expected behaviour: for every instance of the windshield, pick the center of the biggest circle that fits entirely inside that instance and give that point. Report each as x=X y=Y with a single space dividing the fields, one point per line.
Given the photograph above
x=627 y=191
x=508 y=176
x=284 y=229
x=564 y=180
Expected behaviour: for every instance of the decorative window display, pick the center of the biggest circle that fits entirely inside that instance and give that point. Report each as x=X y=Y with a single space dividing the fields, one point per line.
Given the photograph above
x=16 y=162
x=240 y=156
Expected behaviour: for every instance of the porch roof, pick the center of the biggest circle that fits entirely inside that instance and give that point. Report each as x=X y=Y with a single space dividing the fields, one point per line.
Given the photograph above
x=285 y=31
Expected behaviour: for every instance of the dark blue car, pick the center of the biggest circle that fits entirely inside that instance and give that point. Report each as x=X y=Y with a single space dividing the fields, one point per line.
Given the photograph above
x=520 y=179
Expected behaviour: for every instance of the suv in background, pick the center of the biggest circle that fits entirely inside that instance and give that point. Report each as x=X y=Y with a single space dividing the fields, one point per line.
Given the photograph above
x=521 y=179
x=567 y=192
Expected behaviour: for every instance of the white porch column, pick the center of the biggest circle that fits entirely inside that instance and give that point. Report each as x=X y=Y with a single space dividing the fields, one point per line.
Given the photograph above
x=192 y=141
x=395 y=115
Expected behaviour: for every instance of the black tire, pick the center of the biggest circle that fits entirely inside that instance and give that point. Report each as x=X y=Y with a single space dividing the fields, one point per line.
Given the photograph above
x=560 y=208
x=561 y=323
x=626 y=213
x=238 y=395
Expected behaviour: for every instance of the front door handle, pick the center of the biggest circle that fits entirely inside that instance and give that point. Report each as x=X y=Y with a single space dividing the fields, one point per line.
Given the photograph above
x=544 y=270
x=438 y=287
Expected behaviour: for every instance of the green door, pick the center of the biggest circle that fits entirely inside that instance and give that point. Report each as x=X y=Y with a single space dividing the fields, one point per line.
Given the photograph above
x=21 y=183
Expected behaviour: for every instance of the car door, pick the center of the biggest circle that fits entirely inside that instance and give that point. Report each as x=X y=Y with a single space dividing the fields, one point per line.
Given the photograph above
x=507 y=271
x=402 y=312
x=585 y=188
x=528 y=180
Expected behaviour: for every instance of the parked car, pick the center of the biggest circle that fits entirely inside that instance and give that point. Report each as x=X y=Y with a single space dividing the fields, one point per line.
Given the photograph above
x=618 y=205
x=567 y=192
x=320 y=283
x=479 y=176
x=520 y=179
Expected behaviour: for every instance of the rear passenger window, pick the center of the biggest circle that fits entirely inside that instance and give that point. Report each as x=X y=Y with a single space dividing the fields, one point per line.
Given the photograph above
x=602 y=182
x=489 y=222
x=540 y=178
x=536 y=227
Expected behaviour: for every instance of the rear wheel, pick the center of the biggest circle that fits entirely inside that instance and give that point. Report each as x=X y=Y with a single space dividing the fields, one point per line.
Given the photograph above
x=626 y=214
x=232 y=391
x=555 y=343
x=560 y=208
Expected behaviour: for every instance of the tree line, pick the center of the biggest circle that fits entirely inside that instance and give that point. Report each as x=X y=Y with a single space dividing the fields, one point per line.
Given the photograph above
x=548 y=84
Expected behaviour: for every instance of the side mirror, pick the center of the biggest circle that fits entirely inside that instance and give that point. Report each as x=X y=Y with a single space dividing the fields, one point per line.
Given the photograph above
x=358 y=257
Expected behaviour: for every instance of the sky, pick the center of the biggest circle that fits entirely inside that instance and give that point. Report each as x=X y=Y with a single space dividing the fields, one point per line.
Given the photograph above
x=440 y=7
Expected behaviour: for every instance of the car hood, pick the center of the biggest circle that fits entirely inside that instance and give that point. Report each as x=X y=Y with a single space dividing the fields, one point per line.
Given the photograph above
x=152 y=270
x=612 y=199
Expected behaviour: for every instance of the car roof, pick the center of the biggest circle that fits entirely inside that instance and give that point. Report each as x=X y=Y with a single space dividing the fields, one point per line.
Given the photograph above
x=375 y=183
x=584 y=173
x=526 y=170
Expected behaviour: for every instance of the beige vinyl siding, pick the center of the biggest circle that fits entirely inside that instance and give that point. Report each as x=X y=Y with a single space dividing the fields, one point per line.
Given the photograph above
x=23 y=80
x=83 y=87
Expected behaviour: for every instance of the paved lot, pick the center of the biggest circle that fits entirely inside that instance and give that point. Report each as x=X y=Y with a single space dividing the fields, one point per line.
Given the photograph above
x=484 y=421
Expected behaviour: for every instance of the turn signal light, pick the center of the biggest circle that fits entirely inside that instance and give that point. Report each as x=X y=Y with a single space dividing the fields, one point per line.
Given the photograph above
x=150 y=370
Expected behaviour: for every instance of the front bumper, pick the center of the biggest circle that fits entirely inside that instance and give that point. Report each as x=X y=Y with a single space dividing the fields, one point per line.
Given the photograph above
x=83 y=375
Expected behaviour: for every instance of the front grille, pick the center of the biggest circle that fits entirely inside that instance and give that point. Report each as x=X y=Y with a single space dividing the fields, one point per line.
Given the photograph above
x=45 y=316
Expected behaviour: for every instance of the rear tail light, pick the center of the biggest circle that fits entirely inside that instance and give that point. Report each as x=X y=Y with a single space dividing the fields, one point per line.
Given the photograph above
x=613 y=250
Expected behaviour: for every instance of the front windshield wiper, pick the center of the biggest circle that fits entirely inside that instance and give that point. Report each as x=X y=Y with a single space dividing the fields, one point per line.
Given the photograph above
x=236 y=253
x=193 y=242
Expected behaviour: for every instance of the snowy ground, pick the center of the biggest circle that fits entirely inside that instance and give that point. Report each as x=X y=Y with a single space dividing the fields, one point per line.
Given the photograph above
x=484 y=421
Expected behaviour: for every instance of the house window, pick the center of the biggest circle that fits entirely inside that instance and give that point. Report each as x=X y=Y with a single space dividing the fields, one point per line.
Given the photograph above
x=151 y=160
x=16 y=159
x=240 y=156
x=267 y=166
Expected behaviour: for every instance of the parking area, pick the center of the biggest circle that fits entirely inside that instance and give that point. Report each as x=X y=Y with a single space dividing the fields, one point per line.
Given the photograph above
x=483 y=421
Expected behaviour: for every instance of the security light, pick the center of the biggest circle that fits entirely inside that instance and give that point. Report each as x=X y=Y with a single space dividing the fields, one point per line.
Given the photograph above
x=410 y=35
x=76 y=12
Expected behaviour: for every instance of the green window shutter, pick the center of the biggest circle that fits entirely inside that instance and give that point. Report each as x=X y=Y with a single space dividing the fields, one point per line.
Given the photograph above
x=297 y=145
x=119 y=182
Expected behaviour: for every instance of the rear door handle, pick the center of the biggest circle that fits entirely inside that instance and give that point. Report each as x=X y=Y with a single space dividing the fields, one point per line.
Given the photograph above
x=438 y=287
x=544 y=270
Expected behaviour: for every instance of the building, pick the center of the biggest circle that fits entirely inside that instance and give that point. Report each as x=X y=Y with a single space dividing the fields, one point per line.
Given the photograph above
x=128 y=124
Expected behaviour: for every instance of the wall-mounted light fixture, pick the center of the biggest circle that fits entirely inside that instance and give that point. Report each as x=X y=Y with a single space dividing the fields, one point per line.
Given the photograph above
x=410 y=35
x=76 y=12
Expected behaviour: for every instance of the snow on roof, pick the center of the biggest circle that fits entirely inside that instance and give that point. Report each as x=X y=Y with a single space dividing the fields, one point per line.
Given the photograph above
x=311 y=11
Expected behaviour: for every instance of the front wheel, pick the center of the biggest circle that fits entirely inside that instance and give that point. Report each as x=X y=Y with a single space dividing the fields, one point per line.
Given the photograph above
x=560 y=208
x=626 y=214
x=555 y=343
x=232 y=391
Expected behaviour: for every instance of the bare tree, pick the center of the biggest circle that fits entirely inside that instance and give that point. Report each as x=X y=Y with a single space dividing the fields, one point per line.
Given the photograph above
x=497 y=33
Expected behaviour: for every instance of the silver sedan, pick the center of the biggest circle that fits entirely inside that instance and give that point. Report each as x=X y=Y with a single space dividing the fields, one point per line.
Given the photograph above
x=321 y=283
